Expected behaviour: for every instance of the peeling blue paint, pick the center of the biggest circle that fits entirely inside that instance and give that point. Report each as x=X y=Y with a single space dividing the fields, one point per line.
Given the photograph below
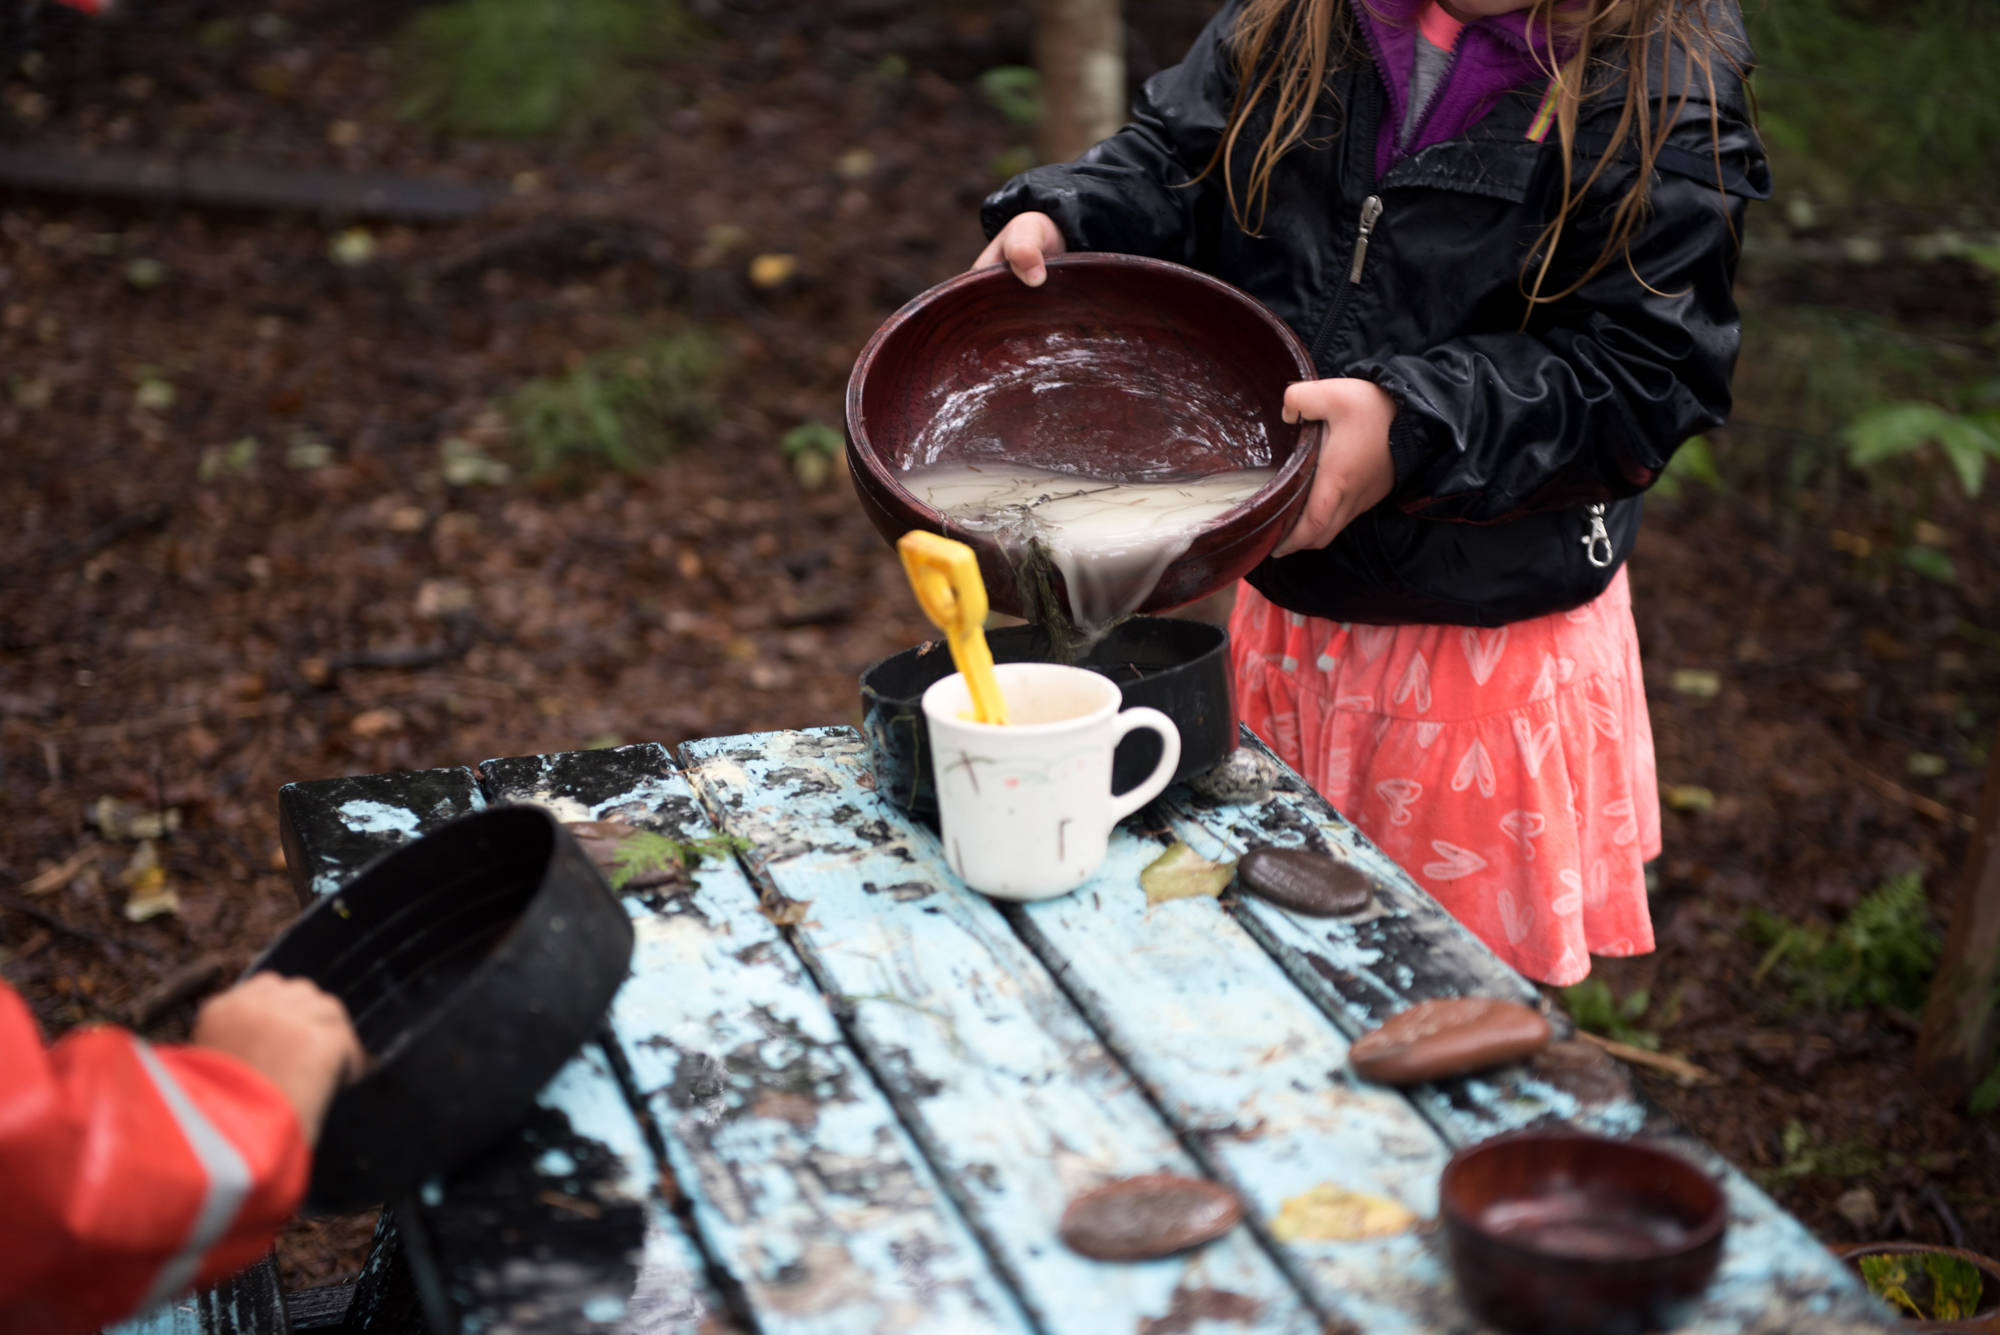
x=366 y=817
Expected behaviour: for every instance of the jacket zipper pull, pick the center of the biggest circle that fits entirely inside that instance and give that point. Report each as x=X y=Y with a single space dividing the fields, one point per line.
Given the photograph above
x=1371 y=213
x=1597 y=542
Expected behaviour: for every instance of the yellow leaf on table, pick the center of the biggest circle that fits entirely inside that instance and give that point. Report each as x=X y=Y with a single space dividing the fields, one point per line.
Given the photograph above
x=1182 y=873
x=1333 y=1214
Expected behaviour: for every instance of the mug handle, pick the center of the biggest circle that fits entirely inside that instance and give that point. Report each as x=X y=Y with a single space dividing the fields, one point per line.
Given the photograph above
x=1139 y=716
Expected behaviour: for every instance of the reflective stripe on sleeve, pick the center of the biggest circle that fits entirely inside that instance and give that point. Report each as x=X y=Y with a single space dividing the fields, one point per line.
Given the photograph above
x=228 y=1182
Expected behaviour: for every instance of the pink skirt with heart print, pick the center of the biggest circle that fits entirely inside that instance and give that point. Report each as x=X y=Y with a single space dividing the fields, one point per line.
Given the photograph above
x=1510 y=770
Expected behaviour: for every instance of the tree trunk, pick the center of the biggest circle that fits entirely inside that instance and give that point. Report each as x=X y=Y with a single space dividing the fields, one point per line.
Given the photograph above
x=1080 y=51
x=1962 y=1018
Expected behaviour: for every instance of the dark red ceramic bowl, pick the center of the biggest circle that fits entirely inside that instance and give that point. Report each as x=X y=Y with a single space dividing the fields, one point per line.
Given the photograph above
x=1559 y=1233
x=1118 y=366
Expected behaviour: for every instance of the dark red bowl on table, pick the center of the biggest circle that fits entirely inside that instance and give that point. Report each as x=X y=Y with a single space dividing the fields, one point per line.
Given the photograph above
x=1560 y=1233
x=1118 y=366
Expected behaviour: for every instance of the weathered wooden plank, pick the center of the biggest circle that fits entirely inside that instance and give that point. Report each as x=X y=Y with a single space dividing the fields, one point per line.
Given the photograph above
x=560 y=1230
x=557 y=1229
x=801 y=1181
x=1403 y=950
x=1252 y=1074
x=1005 y=1085
x=1407 y=948
x=250 y=1303
x=332 y=828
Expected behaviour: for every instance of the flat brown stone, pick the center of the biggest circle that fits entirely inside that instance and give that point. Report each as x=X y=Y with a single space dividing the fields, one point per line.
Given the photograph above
x=1448 y=1036
x=1141 y=1218
x=1303 y=881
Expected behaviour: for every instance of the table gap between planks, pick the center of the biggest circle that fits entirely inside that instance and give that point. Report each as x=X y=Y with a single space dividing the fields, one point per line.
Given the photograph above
x=870 y=1117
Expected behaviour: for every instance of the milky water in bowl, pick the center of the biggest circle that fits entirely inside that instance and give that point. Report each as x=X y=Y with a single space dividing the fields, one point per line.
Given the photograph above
x=1110 y=538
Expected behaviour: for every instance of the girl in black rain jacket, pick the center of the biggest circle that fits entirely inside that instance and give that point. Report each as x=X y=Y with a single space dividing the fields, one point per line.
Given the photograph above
x=1507 y=230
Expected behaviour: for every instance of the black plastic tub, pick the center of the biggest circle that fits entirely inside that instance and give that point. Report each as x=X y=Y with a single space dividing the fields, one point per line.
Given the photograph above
x=475 y=961
x=1177 y=666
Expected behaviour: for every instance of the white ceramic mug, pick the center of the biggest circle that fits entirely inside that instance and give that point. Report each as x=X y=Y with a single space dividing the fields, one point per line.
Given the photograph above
x=1025 y=808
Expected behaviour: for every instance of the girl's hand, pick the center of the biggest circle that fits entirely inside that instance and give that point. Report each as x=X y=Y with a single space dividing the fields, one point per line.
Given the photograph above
x=1355 y=470
x=1026 y=240
x=298 y=1037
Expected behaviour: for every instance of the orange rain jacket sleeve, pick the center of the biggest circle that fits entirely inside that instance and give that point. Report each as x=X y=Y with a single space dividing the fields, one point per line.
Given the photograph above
x=130 y=1174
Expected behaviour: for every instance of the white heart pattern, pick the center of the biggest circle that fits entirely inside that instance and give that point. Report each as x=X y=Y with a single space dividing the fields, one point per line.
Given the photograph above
x=1627 y=830
x=1453 y=862
x=1536 y=743
x=1600 y=885
x=1363 y=703
x=1285 y=736
x=1555 y=672
x=1427 y=733
x=1416 y=683
x=1483 y=649
x=1475 y=766
x=1515 y=919
x=1373 y=640
x=1524 y=827
x=1569 y=969
x=1399 y=794
x=1605 y=719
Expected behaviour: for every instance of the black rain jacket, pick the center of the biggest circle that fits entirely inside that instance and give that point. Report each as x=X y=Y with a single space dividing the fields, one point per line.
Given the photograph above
x=1522 y=438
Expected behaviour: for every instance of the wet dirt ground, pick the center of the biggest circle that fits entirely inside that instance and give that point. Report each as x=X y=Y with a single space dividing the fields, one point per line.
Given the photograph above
x=177 y=640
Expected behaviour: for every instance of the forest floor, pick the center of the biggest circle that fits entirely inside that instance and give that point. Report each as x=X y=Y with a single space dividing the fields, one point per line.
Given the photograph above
x=258 y=537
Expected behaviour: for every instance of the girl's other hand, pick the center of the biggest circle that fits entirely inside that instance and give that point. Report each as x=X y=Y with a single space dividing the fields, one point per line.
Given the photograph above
x=1026 y=240
x=296 y=1036
x=1355 y=470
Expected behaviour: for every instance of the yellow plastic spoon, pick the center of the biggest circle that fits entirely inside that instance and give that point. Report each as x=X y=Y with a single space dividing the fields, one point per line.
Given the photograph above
x=945 y=577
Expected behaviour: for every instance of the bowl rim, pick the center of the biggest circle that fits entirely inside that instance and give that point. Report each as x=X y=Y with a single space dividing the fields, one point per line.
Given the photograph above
x=862 y=450
x=1704 y=1234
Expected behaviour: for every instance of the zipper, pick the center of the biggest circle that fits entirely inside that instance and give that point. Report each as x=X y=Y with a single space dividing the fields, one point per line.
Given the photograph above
x=1597 y=542
x=1371 y=213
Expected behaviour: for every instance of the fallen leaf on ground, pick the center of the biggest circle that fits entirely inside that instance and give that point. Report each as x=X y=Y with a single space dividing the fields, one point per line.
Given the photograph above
x=54 y=878
x=375 y=723
x=771 y=270
x=1182 y=873
x=1328 y=1213
x=1698 y=682
x=151 y=895
x=1689 y=797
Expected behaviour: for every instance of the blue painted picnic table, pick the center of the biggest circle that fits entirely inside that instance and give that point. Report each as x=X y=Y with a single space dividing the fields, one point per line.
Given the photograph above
x=842 y=1093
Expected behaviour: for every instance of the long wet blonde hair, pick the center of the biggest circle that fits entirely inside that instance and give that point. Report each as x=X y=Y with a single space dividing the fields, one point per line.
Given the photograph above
x=1286 y=50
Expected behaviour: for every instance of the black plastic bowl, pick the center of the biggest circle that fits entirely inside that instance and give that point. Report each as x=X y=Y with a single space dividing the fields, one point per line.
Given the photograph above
x=1176 y=666
x=475 y=961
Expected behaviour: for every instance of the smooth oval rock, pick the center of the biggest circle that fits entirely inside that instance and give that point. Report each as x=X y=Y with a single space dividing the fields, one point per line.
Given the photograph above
x=1446 y=1037
x=1142 y=1218
x=1303 y=881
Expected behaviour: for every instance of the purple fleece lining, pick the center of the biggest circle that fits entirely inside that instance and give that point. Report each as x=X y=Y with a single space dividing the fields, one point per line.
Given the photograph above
x=1492 y=56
